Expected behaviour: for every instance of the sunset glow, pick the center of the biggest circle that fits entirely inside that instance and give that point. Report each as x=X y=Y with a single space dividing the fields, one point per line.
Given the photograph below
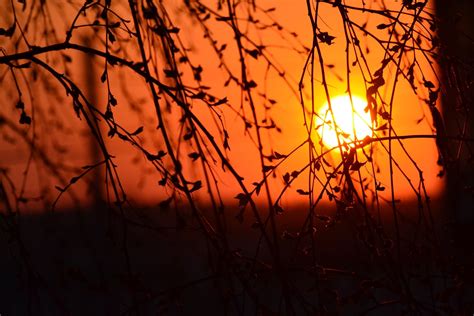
x=351 y=121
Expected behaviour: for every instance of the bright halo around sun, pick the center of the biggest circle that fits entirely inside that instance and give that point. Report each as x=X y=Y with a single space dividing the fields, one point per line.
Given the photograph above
x=349 y=118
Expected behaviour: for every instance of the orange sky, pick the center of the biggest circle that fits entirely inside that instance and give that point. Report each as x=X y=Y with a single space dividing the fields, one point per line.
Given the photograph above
x=140 y=180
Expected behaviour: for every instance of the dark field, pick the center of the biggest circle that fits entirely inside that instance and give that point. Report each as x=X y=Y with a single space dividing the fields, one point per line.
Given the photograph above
x=74 y=262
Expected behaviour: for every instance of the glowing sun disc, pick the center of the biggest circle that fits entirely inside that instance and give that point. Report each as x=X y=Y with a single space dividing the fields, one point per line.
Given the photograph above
x=349 y=118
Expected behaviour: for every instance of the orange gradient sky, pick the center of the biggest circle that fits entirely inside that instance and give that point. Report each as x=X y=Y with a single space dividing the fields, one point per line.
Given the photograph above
x=140 y=180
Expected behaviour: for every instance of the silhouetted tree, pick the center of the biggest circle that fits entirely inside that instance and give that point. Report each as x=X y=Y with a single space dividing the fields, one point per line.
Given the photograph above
x=178 y=86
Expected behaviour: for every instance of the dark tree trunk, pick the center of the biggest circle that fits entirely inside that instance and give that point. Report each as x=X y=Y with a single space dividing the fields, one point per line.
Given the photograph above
x=94 y=149
x=456 y=33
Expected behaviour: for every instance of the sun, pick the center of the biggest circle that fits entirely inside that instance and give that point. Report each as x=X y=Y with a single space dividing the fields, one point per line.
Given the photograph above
x=351 y=121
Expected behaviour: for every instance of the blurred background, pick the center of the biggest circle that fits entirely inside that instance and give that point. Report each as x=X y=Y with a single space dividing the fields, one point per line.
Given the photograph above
x=178 y=167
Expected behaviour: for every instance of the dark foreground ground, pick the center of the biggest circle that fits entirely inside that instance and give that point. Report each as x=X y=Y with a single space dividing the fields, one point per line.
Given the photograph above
x=74 y=262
